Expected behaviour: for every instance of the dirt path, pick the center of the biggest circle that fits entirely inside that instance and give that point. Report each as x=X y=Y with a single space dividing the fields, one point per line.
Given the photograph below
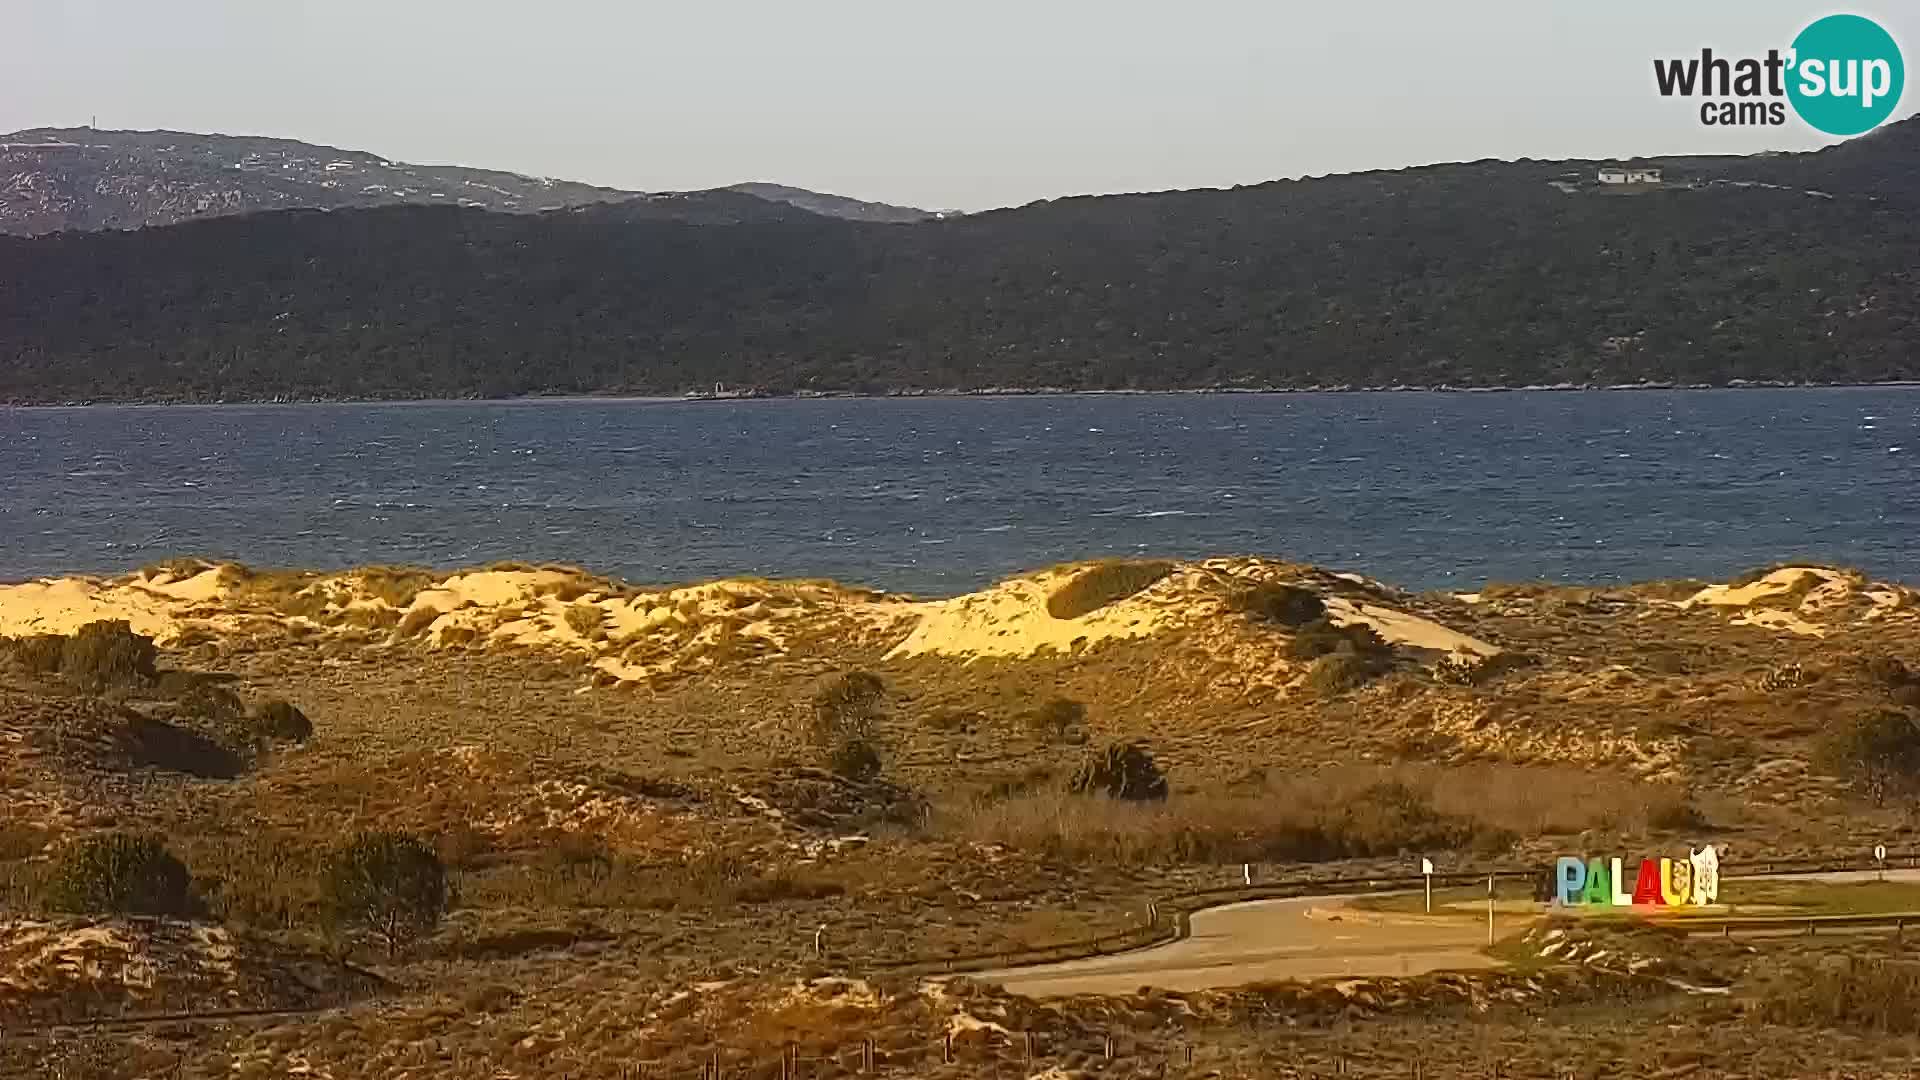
x=1297 y=938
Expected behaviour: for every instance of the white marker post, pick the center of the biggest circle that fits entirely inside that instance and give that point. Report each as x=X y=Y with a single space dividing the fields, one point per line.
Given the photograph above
x=1489 y=909
x=1426 y=870
x=1246 y=870
x=1880 y=856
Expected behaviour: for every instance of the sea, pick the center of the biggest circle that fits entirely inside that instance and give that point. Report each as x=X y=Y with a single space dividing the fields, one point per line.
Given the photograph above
x=939 y=495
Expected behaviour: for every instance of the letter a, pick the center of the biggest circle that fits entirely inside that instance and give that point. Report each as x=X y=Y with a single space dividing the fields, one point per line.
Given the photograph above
x=1646 y=890
x=1597 y=890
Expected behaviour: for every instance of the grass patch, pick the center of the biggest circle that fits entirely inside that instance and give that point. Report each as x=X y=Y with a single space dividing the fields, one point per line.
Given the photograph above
x=1333 y=813
x=1381 y=820
x=1880 y=996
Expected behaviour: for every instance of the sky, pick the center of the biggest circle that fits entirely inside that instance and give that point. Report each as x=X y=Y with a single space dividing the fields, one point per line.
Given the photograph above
x=941 y=105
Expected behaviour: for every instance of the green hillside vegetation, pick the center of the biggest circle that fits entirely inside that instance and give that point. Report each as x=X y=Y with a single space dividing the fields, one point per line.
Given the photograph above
x=1477 y=274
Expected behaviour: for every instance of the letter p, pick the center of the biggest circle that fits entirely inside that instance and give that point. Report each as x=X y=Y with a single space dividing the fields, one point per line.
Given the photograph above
x=1875 y=82
x=1570 y=877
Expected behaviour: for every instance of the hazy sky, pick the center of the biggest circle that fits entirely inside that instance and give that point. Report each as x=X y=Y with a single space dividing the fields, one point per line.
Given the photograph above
x=964 y=105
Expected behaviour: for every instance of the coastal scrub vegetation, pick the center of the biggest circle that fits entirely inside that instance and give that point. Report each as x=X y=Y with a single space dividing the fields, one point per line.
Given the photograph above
x=389 y=884
x=1366 y=279
x=843 y=723
x=1879 y=751
x=119 y=874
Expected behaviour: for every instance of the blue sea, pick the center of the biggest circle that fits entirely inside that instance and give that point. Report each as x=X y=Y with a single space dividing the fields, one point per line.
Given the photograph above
x=940 y=495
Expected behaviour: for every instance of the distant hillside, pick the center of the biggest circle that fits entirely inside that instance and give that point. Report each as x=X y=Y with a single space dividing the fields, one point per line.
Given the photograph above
x=78 y=178
x=54 y=179
x=1790 y=267
x=835 y=205
x=719 y=206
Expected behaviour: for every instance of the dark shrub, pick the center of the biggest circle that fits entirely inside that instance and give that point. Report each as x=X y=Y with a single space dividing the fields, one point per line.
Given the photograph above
x=842 y=725
x=38 y=653
x=1322 y=638
x=280 y=719
x=103 y=654
x=1887 y=671
x=1879 y=752
x=849 y=693
x=119 y=874
x=587 y=620
x=1391 y=818
x=1102 y=584
x=1337 y=673
x=207 y=701
x=1121 y=771
x=1668 y=810
x=1058 y=719
x=1288 y=605
x=389 y=884
x=853 y=758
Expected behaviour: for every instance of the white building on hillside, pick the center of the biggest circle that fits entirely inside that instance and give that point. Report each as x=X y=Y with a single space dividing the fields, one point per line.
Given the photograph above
x=1620 y=174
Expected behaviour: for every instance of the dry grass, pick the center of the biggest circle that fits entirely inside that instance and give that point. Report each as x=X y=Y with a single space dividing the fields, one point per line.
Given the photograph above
x=396 y=585
x=1384 y=820
x=587 y=620
x=1102 y=584
x=1337 y=813
x=1874 y=995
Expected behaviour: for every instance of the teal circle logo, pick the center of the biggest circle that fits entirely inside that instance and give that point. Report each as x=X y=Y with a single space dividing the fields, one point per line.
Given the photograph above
x=1847 y=74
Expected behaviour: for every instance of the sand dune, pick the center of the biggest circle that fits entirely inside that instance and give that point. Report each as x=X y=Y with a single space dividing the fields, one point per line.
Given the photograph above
x=625 y=634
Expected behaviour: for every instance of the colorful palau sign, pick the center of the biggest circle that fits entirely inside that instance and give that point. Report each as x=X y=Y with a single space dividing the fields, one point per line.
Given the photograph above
x=1694 y=880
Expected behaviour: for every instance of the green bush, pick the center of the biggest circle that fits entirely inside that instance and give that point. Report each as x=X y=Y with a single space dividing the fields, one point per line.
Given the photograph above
x=1104 y=583
x=1288 y=605
x=390 y=884
x=103 y=654
x=119 y=874
x=1121 y=771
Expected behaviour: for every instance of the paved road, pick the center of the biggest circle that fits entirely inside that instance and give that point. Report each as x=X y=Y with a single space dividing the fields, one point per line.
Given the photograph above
x=1296 y=938
x=1301 y=938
